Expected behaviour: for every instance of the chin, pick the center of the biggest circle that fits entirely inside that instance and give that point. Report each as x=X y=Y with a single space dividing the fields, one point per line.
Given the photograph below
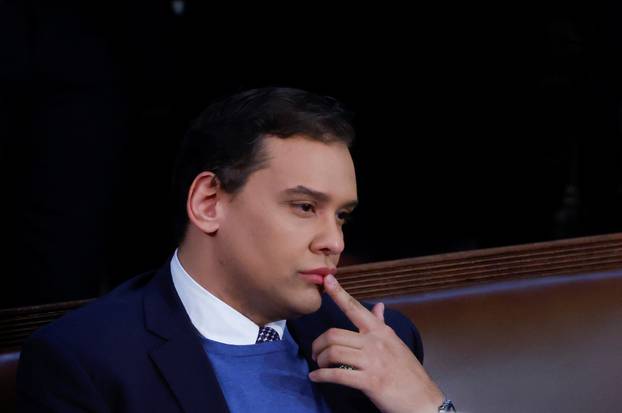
x=307 y=304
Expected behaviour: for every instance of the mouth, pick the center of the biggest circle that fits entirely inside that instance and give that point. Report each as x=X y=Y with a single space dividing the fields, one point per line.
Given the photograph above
x=316 y=275
x=313 y=278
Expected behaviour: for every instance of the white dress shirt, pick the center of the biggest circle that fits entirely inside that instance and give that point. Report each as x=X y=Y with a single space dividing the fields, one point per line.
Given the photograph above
x=212 y=317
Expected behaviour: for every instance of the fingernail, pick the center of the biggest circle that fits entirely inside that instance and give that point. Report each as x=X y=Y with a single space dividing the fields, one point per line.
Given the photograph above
x=330 y=280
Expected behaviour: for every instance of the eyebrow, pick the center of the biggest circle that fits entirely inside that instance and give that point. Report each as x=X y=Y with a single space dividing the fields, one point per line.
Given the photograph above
x=317 y=195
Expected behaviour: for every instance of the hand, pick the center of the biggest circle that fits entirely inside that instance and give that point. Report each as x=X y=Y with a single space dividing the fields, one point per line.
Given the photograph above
x=386 y=370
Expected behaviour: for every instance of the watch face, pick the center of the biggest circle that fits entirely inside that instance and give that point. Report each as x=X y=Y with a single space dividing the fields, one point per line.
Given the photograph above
x=447 y=406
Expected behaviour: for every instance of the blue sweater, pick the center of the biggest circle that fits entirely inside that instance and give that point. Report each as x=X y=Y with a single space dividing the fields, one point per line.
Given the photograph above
x=267 y=377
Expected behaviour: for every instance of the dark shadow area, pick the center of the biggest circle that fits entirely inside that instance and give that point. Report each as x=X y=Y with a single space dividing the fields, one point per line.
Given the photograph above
x=478 y=125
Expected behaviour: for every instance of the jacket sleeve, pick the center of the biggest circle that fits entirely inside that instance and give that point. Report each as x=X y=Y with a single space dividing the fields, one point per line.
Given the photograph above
x=51 y=379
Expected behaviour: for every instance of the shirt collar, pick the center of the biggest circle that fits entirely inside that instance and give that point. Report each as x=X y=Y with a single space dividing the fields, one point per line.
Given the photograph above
x=212 y=317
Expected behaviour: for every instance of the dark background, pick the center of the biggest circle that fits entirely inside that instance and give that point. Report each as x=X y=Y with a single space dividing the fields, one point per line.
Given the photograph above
x=479 y=125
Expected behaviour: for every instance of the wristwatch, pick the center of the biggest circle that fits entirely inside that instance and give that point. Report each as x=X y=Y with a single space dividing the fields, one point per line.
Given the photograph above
x=447 y=406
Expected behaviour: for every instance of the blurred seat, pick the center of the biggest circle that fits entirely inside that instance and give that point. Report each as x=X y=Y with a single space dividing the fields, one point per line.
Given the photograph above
x=537 y=345
x=8 y=367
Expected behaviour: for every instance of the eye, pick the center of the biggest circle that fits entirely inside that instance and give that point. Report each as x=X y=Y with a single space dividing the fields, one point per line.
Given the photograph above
x=344 y=217
x=304 y=207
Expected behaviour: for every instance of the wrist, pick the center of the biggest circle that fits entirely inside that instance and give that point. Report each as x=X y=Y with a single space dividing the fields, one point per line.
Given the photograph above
x=431 y=405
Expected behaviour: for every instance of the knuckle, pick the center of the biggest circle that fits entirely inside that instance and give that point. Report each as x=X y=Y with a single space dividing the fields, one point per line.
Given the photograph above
x=385 y=331
x=332 y=334
x=333 y=354
x=322 y=360
x=380 y=346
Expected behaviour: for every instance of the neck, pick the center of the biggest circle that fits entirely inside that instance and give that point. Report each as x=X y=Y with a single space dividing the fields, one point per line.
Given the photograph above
x=198 y=260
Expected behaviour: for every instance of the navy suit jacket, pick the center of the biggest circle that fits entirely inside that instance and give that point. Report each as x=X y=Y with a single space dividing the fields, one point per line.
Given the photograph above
x=135 y=350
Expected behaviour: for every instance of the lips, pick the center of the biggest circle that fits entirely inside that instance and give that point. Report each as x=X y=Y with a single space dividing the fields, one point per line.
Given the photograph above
x=316 y=275
x=323 y=271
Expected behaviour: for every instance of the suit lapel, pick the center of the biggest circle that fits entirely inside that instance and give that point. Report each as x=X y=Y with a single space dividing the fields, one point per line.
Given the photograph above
x=181 y=358
x=188 y=372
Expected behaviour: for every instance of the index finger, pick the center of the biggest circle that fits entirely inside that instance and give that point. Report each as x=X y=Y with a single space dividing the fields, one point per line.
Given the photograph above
x=360 y=316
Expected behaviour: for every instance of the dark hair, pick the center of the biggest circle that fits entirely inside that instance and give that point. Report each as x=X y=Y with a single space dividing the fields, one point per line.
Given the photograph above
x=226 y=138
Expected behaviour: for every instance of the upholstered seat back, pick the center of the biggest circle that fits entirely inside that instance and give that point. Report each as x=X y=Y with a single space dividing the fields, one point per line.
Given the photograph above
x=537 y=345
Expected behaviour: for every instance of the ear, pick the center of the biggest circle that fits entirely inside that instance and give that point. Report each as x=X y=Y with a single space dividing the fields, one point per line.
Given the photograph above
x=202 y=205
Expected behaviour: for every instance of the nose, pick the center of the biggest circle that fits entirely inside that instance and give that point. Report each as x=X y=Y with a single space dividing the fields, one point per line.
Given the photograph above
x=329 y=238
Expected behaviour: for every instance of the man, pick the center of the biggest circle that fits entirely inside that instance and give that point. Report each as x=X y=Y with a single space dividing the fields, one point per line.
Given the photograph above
x=237 y=320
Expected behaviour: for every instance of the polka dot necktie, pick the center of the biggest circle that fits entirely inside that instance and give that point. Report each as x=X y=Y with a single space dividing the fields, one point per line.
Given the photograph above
x=267 y=334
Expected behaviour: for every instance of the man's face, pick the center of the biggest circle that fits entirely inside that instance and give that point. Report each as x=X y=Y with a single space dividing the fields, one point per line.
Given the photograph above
x=287 y=219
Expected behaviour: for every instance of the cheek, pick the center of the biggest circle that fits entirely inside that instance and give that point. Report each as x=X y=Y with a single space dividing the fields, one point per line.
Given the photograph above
x=268 y=235
x=278 y=240
x=281 y=245
x=274 y=224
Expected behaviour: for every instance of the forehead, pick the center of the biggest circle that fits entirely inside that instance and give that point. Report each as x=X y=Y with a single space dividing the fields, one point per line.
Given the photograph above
x=300 y=161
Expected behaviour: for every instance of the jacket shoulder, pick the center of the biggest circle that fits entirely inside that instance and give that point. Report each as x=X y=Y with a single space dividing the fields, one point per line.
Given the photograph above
x=102 y=320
